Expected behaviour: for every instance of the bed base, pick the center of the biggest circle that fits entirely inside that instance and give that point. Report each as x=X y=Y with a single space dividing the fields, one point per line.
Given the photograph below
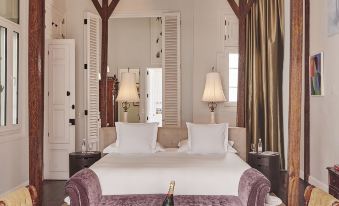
x=84 y=190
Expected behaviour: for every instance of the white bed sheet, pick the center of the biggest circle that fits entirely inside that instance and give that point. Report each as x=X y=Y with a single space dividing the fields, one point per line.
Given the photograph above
x=151 y=173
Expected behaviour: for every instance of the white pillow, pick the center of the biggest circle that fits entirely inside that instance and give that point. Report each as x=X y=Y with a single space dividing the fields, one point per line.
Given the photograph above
x=136 y=138
x=207 y=138
x=114 y=149
x=110 y=149
x=183 y=146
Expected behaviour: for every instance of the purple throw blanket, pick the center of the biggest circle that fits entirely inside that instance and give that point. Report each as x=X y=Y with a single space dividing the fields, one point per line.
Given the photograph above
x=84 y=190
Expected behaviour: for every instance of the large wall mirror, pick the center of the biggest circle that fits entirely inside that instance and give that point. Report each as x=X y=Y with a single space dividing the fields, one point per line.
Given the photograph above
x=149 y=48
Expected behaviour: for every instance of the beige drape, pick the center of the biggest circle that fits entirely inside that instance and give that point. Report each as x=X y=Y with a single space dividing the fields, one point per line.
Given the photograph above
x=264 y=73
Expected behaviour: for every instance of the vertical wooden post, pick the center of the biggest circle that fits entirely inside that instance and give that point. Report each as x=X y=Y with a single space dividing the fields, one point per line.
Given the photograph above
x=242 y=64
x=241 y=11
x=104 y=63
x=105 y=10
x=296 y=56
x=307 y=94
x=36 y=93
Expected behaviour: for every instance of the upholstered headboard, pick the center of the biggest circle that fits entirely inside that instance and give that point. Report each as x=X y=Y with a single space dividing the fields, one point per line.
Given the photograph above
x=170 y=137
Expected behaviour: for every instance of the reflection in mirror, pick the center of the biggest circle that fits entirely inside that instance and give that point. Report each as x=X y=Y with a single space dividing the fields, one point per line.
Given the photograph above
x=135 y=46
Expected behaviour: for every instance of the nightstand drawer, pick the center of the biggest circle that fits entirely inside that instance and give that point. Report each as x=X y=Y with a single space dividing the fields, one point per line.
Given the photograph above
x=334 y=192
x=260 y=160
x=79 y=161
x=268 y=165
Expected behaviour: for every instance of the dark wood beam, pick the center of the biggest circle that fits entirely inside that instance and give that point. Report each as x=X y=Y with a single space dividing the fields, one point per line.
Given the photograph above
x=249 y=6
x=112 y=7
x=296 y=58
x=307 y=94
x=241 y=12
x=234 y=7
x=105 y=11
x=97 y=6
x=36 y=56
x=104 y=63
x=242 y=64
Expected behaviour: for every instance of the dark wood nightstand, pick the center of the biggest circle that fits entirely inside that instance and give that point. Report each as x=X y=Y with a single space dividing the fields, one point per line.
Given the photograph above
x=333 y=180
x=79 y=161
x=269 y=165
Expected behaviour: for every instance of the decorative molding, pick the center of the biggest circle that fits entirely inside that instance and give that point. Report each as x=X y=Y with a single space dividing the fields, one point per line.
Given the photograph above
x=140 y=14
x=23 y=184
x=314 y=181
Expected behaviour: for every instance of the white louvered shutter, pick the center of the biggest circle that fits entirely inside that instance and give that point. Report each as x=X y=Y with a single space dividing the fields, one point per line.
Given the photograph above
x=171 y=70
x=92 y=65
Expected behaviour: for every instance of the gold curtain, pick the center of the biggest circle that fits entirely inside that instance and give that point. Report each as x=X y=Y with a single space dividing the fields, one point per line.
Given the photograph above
x=264 y=74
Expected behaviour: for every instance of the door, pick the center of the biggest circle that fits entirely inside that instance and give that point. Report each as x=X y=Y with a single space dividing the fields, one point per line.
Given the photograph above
x=154 y=95
x=91 y=79
x=60 y=139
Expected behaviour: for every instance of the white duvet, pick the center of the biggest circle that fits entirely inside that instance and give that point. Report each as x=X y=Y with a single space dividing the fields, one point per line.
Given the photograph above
x=121 y=174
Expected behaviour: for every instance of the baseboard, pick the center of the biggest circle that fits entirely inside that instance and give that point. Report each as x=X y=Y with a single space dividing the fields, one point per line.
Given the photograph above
x=314 y=181
x=24 y=184
x=302 y=174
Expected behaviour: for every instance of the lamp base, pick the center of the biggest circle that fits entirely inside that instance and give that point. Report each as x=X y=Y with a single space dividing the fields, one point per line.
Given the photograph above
x=125 y=119
x=212 y=121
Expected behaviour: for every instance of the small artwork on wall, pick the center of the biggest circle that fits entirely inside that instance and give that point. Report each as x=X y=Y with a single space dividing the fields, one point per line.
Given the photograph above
x=316 y=74
x=333 y=17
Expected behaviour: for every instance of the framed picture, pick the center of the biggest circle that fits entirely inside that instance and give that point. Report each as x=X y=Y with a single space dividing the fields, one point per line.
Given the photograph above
x=317 y=74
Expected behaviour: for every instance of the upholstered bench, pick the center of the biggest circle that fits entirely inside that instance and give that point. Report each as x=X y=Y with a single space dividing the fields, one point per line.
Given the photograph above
x=84 y=190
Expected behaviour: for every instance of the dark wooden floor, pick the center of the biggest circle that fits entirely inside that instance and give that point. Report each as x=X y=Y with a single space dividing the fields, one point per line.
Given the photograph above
x=53 y=192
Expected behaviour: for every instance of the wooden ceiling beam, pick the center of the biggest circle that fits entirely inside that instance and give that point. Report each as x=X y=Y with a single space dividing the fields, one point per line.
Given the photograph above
x=112 y=7
x=98 y=7
x=234 y=7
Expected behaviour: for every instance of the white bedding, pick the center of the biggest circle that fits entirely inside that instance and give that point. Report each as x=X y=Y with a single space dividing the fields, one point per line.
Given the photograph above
x=121 y=174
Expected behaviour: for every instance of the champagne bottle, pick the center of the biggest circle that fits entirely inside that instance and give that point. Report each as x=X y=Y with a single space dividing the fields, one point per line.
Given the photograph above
x=169 y=201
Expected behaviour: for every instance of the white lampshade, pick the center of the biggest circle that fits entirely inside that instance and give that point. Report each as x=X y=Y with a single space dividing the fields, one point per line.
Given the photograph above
x=213 y=88
x=128 y=91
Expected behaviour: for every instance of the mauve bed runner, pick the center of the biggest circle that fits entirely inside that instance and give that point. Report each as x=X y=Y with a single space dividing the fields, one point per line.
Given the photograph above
x=150 y=174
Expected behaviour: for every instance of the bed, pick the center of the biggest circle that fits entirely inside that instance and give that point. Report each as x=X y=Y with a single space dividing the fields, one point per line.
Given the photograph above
x=216 y=179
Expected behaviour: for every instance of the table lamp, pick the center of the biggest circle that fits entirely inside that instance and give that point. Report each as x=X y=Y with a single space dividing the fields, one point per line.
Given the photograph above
x=213 y=92
x=128 y=92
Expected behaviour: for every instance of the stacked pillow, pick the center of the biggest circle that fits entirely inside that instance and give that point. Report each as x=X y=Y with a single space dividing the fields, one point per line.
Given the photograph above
x=141 y=138
x=205 y=139
x=136 y=137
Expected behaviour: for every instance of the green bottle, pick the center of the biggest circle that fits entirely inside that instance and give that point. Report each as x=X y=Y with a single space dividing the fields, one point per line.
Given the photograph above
x=169 y=201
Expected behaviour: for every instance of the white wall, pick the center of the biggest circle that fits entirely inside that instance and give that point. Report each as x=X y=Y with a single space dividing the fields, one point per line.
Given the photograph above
x=75 y=30
x=200 y=43
x=129 y=43
x=207 y=43
x=324 y=110
x=14 y=145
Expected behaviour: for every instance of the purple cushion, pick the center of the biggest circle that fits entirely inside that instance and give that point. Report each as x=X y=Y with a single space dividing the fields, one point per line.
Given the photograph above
x=156 y=200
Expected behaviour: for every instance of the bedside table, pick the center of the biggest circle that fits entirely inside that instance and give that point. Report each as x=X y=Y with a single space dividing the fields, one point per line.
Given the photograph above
x=333 y=179
x=79 y=161
x=269 y=165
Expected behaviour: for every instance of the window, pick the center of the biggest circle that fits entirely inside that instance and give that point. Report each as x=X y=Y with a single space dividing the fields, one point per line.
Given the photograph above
x=9 y=9
x=9 y=64
x=3 y=75
x=15 y=77
x=233 y=60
